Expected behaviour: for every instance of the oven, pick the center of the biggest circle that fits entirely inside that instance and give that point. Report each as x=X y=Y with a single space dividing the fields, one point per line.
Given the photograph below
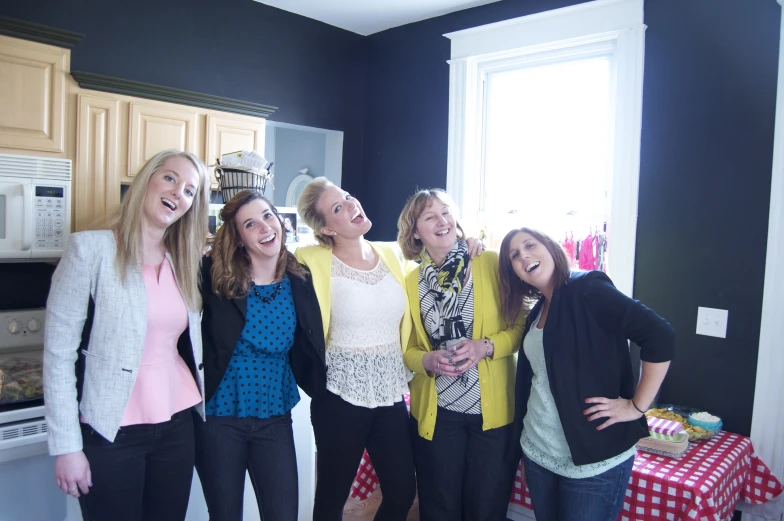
x=22 y=424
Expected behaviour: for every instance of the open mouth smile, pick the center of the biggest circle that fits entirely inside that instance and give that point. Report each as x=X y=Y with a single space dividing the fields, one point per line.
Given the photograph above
x=531 y=267
x=168 y=203
x=268 y=240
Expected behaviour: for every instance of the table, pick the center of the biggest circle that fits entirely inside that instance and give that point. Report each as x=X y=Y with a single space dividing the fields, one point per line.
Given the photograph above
x=705 y=484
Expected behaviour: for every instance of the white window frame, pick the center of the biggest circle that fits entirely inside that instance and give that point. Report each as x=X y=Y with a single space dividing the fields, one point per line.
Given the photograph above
x=479 y=51
x=766 y=420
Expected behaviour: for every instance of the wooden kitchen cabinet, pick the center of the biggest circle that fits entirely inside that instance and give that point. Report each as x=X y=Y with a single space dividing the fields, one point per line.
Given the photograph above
x=155 y=127
x=229 y=133
x=33 y=90
x=98 y=166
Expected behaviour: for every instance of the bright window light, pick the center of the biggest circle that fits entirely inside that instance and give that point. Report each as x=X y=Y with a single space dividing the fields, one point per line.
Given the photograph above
x=548 y=147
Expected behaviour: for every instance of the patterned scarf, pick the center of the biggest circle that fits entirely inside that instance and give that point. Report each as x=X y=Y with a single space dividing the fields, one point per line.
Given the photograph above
x=439 y=293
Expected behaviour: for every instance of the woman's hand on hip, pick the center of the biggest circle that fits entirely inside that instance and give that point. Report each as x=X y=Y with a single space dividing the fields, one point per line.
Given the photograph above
x=472 y=351
x=72 y=473
x=615 y=410
x=436 y=362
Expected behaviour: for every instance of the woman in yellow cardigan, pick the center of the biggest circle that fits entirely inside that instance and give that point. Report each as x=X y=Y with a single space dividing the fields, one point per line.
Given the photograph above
x=462 y=394
x=358 y=398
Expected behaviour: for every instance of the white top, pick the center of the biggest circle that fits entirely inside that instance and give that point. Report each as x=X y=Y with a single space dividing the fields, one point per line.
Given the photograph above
x=543 y=439
x=364 y=356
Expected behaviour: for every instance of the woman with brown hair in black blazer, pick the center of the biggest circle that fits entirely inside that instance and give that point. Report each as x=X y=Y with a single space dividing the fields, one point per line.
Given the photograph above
x=258 y=303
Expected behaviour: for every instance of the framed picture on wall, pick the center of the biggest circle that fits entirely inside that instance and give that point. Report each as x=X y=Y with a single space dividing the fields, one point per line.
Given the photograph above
x=214 y=218
x=288 y=215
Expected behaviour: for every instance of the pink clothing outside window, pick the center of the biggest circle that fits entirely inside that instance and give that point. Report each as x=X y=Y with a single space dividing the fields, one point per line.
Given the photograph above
x=587 y=255
x=164 y=384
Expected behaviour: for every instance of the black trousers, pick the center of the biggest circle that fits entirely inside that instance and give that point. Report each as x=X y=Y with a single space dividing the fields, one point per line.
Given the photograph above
x=342 y=432
x=227 y=446
x=144 y=475
x=462 y=473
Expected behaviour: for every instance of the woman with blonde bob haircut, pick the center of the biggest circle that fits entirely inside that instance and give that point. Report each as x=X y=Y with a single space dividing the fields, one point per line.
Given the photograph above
x=462 y=402
x=258 y=303
x=364 y=314
x=124 y=307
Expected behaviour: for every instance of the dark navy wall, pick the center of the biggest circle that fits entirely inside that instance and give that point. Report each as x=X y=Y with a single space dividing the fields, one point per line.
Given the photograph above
x=313 y=72
x=707 y=142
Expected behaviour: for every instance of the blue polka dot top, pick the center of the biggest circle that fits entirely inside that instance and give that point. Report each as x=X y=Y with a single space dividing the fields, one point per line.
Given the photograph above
x=258 y=381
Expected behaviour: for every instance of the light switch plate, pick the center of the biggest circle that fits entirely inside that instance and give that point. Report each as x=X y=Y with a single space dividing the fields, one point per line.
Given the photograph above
x=712 y=322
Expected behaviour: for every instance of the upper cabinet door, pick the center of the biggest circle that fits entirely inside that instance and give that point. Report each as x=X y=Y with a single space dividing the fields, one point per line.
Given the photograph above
x=98 y=169
x=32 y=95
x=154 y=128
x=230 y=134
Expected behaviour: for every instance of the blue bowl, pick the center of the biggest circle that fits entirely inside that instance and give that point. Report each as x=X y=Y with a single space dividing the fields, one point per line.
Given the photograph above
x=708 y=426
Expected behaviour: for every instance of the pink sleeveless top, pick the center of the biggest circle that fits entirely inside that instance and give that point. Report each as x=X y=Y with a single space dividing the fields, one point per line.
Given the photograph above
x=164 y=384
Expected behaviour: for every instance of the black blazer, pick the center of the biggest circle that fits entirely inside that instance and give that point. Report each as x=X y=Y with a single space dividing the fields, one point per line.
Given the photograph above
x=587 y=355
x=224 y=319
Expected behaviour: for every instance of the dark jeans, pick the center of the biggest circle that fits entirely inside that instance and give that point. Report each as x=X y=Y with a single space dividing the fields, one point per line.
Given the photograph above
x=462 y=473
x=342 y=432
x=145 y=474
x=227 y=446
x=598 y=498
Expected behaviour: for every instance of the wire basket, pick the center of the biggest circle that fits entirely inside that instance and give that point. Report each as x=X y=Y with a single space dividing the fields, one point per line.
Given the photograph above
x=234 y=180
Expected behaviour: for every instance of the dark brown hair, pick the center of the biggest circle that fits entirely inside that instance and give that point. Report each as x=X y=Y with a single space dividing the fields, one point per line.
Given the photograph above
x=406 y=224
x=516 y=294
x=231 y=272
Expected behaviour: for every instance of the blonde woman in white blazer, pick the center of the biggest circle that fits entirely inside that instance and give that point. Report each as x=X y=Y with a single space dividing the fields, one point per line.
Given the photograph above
x=122 y=349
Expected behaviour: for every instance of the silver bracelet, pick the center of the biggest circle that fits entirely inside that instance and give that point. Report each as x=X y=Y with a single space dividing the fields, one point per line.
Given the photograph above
x=488 y=345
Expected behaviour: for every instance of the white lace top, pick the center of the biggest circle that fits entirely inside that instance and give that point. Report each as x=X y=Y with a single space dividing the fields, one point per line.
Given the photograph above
x=364 y=356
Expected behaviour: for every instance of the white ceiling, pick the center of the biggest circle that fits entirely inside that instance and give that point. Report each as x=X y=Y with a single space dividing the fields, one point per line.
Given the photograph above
x=371 y=16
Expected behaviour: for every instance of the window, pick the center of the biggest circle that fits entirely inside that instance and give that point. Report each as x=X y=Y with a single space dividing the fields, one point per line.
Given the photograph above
x=544 y=125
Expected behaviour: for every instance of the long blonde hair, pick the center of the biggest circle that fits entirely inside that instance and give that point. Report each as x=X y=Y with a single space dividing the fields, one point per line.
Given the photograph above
x=231 y=265
x=184 y=239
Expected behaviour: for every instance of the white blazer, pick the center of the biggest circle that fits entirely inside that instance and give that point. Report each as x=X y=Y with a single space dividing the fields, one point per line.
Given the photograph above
x=116 y=340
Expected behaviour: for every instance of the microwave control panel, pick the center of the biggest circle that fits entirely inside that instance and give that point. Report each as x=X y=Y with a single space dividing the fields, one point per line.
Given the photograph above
x=50 y=217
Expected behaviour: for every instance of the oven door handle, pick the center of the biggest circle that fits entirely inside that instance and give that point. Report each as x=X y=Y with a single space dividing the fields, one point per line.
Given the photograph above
x=27 y=212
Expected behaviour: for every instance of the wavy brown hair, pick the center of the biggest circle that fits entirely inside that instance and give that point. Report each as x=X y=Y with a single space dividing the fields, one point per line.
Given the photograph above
x=231 y=265
x=516 y=294
x=406 y=224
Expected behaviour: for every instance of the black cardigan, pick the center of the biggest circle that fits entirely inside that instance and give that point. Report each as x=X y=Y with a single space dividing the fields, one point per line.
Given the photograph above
x=224 y=319
x=587 y=355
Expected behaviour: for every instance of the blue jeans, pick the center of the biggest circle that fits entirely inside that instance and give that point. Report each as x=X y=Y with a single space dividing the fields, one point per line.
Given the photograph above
x=227 y=446
x=598 y=498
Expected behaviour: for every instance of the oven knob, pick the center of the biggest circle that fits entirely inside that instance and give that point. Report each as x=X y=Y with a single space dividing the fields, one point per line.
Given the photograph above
x=14 y=327
x=34 y=325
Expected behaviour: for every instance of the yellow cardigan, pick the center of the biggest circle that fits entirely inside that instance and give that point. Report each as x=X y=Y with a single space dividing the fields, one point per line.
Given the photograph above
x=319 y=260
x=496 y=375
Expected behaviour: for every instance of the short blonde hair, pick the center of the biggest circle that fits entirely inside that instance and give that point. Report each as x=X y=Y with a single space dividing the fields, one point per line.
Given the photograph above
x=406 y=223
x=306 y=208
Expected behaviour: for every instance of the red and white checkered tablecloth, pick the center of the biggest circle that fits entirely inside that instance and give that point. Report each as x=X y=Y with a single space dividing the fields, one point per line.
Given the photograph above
x=705 y=484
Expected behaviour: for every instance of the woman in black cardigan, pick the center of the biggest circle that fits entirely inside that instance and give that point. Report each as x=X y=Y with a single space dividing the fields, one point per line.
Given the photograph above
x=578 y=415
x=262 y=336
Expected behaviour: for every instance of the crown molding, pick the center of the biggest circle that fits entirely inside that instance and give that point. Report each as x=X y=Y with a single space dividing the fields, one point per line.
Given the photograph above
x=39 y=33
x=87 y=80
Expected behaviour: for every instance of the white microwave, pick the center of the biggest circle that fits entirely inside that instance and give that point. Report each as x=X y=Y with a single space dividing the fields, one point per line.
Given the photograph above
x=35 y=207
